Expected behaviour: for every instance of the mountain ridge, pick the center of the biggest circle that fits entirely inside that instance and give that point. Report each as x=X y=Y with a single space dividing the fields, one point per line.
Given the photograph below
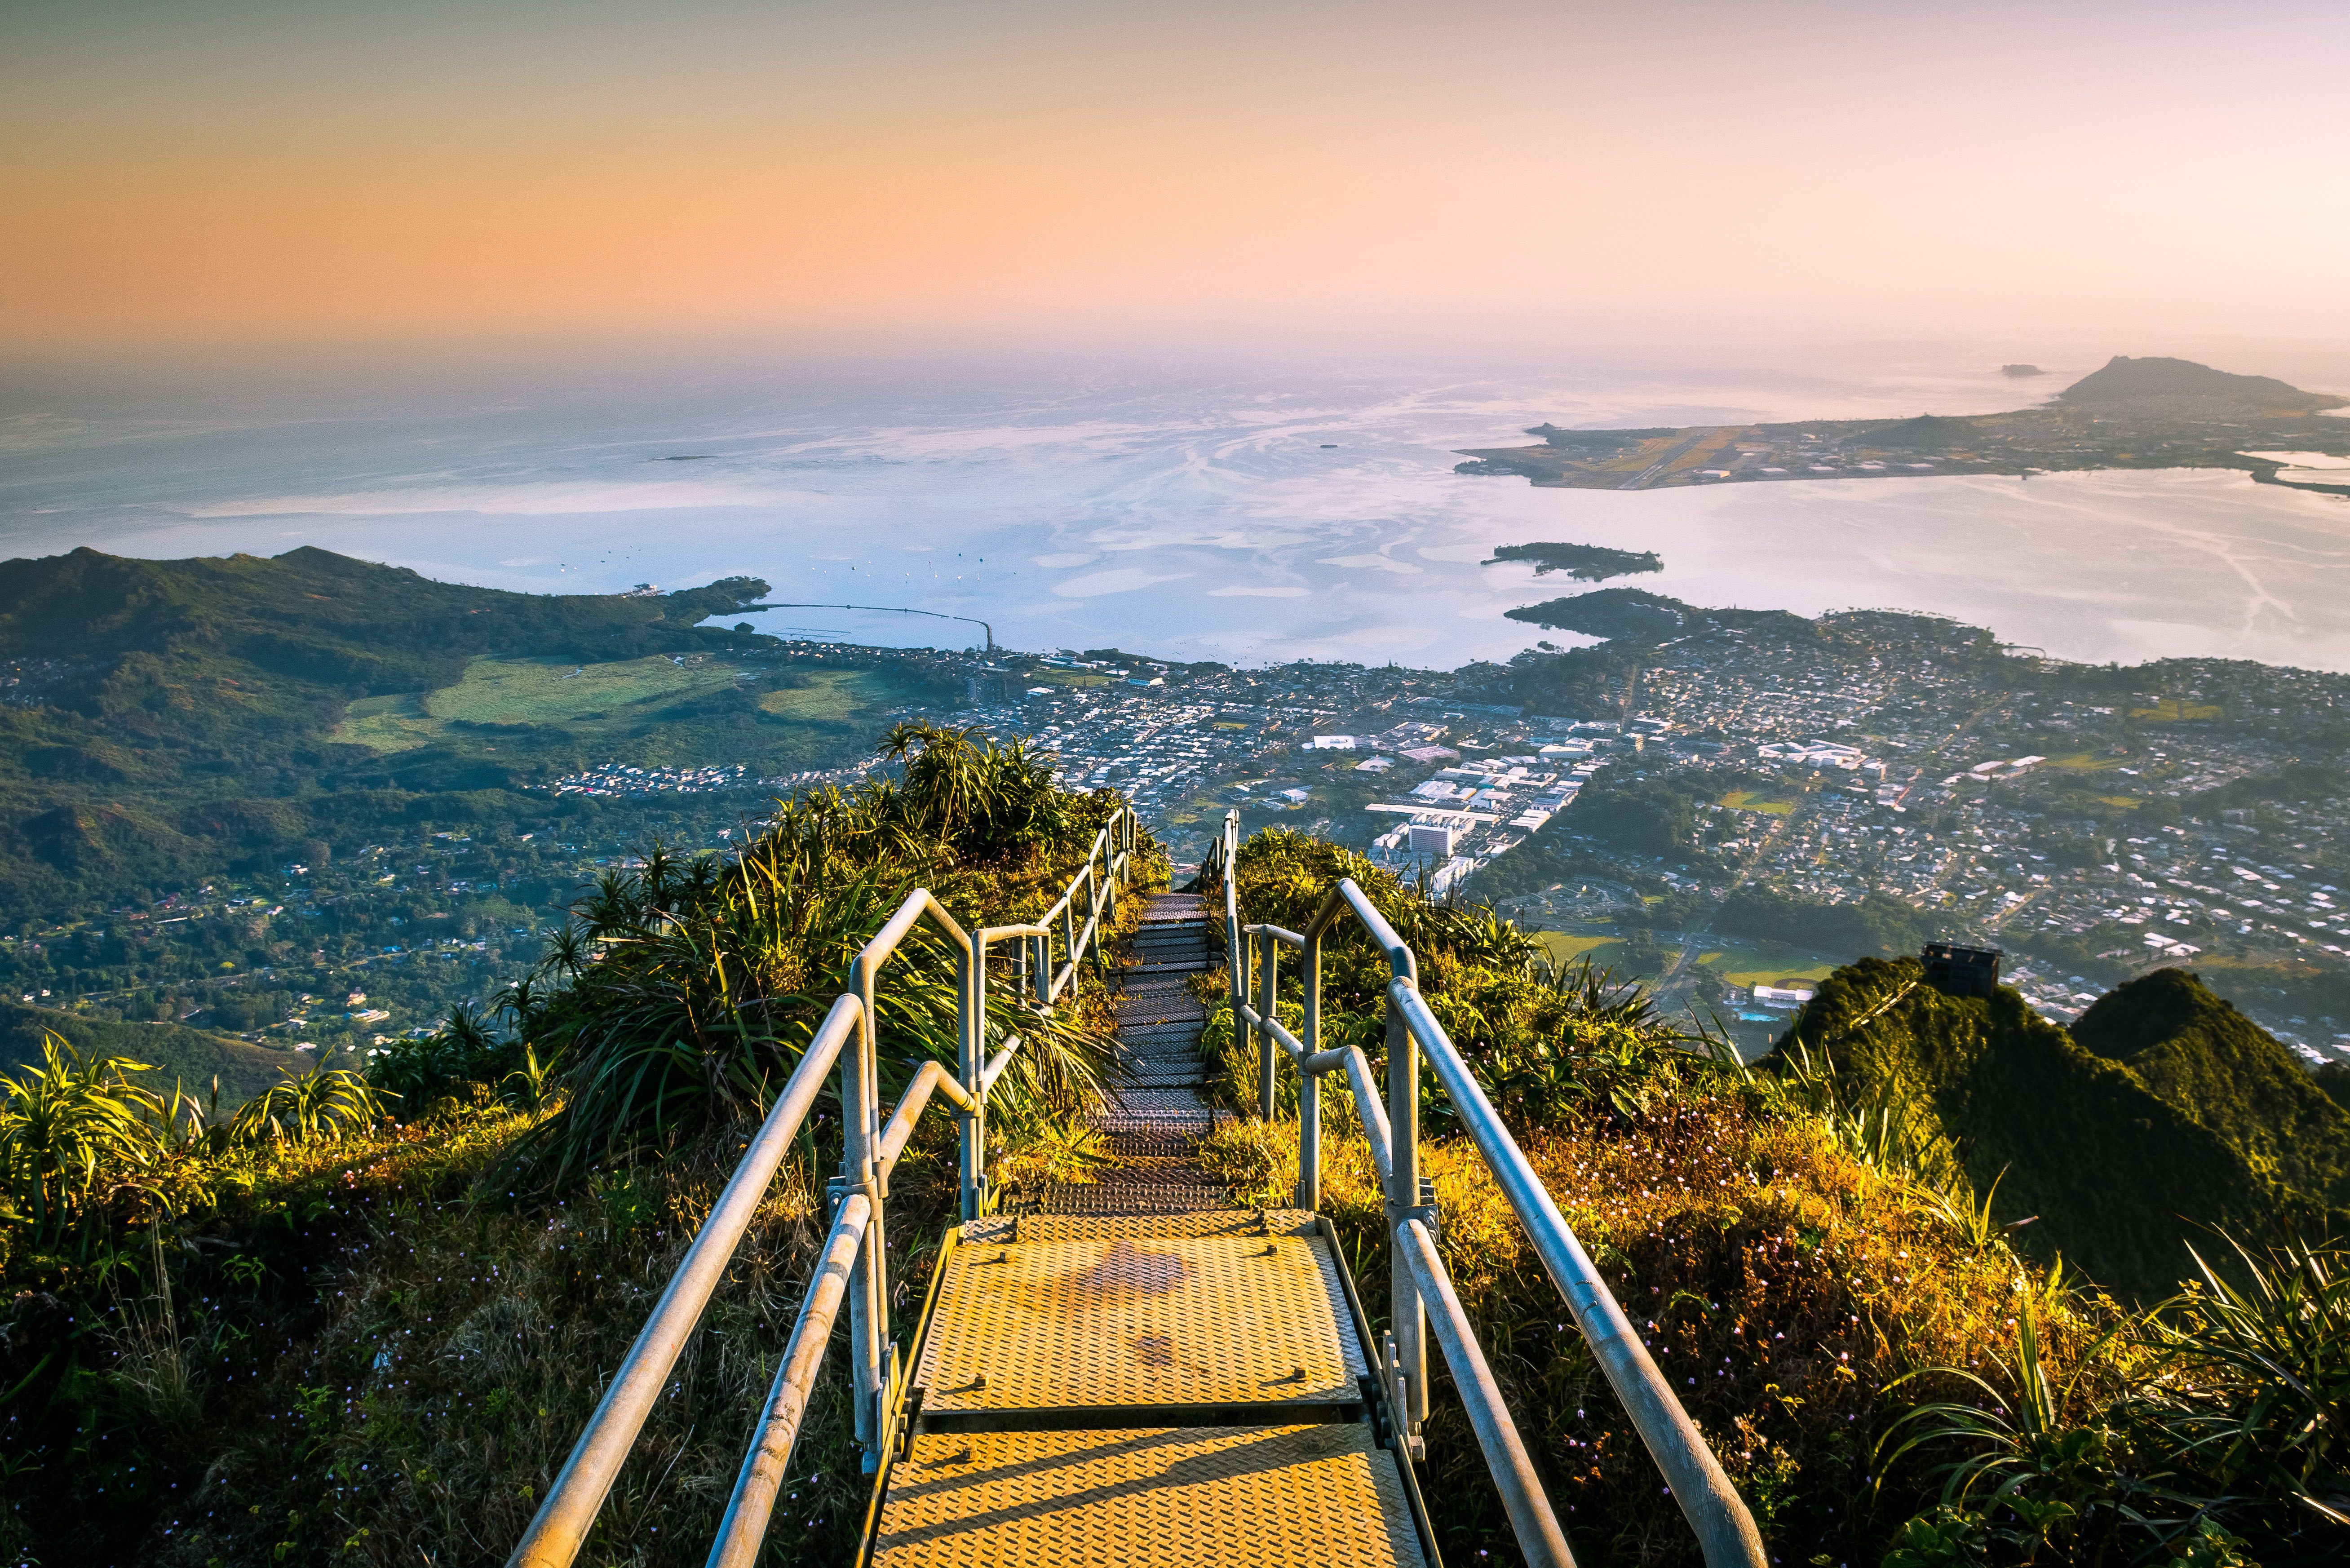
x=2118 y=1178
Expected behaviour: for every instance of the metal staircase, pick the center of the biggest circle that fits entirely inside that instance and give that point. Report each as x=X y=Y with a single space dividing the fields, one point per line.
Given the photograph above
x=1136 y=1373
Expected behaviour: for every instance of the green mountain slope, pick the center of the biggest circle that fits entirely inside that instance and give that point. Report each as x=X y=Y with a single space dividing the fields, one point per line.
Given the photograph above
x=2200 y=1054
x=162 y=722
x=191 y=1057
x=2120 y=1177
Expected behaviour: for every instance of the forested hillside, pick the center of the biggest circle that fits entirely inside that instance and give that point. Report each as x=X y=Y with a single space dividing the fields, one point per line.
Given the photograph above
x=164 y=720
x=2121 y=1152
x=345 y=1328
x=236 y=792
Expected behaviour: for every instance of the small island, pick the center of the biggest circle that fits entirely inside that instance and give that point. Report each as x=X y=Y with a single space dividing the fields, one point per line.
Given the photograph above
x=1585 y=563
x=2020 y=371
x=2133 y=413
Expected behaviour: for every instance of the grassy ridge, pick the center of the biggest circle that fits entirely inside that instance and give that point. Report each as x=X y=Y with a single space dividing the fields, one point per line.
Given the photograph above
x=376 y=1343
x=377 y=1348
x=2200 y=1054
x=2121 y=1177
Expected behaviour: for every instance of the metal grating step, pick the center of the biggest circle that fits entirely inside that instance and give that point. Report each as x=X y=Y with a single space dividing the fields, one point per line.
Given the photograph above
x=1176 y=1056
x=1141 y=1199
x=1296 y=1496
x=1140 y=1319
x=1188 y=1031
x=1157 y=991
x=1152 y=1144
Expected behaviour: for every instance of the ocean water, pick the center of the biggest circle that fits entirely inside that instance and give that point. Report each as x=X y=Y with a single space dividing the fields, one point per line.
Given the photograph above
x=1248 y=512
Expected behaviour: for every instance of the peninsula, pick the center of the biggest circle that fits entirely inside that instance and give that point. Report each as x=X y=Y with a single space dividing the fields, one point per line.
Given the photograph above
x=2133 y=413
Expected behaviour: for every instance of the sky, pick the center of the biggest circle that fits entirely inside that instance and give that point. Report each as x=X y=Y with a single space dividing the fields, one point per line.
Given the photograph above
x=271 y=172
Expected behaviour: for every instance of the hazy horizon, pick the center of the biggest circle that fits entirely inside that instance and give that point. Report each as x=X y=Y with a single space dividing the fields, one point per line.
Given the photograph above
x=1252 y=510
x=272 y=172
x=433 y=285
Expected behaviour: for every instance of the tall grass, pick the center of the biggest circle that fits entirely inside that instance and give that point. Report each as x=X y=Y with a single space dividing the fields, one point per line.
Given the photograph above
x=69 y=1130
x=1786 y=1257
x=682 y=999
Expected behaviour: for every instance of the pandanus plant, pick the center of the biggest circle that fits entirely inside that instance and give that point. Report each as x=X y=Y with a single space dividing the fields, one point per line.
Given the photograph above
x=327 y=1104
x=682 y=999
x=70 y=1126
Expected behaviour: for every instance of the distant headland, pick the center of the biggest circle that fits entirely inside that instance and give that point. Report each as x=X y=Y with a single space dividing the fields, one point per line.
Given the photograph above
x=2133 y=413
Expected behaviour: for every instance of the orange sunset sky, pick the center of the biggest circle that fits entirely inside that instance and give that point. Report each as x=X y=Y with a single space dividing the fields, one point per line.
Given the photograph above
x=257 y=171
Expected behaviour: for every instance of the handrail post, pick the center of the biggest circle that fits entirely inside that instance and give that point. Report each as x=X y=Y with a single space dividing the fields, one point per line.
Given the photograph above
x=1408 y=1318
x=1268 y=963
x=1309 y=1085
x=868 y=1288
x=971 y=1045
x=1109 y=867
x=1235 y=960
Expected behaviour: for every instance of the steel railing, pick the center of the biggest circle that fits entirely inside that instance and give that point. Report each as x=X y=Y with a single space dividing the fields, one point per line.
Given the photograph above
x=852 y=1266
x=1419 y=1283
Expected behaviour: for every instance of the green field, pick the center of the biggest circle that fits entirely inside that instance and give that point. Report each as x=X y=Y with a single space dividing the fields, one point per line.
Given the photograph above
x=829 y=694
x=386 y=723
x=1567 y=948
x=1755 y=969
x=536 y=691
x=1747 y=800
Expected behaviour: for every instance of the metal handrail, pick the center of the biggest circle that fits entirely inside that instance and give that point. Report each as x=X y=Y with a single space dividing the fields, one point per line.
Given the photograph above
x=744 y=1527
x=1725 y=1530
x=851 y=1266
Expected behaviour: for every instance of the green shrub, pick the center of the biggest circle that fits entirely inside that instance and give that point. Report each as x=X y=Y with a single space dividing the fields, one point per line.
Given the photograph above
x=683 y=1001
x=70 y=1130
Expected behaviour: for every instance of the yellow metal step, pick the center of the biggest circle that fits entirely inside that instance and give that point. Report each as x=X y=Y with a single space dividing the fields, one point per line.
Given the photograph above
x=1309 y=1496
x=1104 y=1319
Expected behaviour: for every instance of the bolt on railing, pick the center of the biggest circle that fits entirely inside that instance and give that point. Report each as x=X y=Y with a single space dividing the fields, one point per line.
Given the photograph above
x=852 y=1265
x=1418 y=1279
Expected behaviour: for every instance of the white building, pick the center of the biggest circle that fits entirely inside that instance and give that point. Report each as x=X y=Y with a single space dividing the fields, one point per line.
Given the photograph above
x=1433 y=838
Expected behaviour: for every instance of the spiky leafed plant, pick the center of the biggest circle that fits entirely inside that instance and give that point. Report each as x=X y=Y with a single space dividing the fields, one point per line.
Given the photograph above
x=2031 y=1471
x=690 y=991
x=992 y=801
x=467 y=1048
x=66 y=1126
x=2251 y=1393
x=328 y=1104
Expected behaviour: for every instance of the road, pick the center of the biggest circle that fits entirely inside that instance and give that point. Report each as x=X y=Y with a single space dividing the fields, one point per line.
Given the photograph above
x=1641 y=480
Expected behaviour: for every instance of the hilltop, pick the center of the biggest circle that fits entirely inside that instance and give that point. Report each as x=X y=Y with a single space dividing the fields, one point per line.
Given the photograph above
x=2132 y=413
x=2165 y=1120
x=2183 y=385
x=2196 y=1052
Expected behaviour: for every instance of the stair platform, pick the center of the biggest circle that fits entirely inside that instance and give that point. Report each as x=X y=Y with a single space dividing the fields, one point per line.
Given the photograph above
x=1297 y=1497
x=1140 y=1375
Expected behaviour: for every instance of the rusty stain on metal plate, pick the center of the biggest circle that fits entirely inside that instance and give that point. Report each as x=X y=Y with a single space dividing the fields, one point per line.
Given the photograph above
x=1136 y=1319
